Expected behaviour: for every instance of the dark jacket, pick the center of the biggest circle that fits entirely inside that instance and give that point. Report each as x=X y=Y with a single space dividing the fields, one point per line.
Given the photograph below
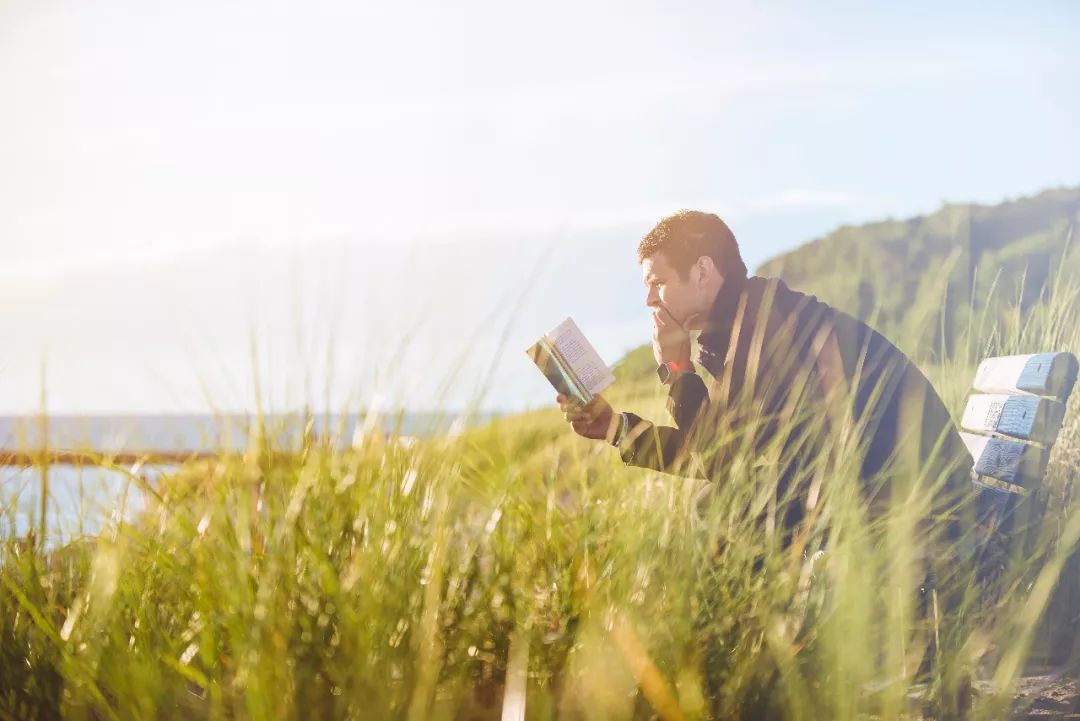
x=789 y=371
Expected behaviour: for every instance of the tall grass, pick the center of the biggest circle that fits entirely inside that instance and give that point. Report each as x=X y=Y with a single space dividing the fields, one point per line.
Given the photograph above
x=398 y=579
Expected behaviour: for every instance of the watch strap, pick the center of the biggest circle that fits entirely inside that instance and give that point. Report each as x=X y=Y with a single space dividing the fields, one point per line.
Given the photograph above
x=620 y=430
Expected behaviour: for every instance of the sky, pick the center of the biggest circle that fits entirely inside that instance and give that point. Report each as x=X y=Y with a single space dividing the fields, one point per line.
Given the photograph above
x=393 y=190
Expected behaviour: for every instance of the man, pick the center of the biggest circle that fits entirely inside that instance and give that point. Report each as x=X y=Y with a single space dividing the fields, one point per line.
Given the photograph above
x=792 y=377
x=798 y=390
x=801 y=390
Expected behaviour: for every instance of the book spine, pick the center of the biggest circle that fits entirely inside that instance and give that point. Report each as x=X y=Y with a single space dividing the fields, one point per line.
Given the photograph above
x=583 y=393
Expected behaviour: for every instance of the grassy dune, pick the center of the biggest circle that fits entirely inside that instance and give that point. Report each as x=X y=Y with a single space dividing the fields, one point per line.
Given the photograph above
x=516 y=563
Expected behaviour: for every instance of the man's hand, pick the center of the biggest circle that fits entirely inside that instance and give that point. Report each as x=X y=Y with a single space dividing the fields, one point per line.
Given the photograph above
x=596 y=420
x=671 y=341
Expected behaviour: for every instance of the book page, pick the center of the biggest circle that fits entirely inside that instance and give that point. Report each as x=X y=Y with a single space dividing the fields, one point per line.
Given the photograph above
x=561 y=377
x=582 y=358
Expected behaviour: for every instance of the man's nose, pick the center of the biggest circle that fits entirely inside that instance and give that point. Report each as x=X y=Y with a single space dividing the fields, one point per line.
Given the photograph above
x=652 y=299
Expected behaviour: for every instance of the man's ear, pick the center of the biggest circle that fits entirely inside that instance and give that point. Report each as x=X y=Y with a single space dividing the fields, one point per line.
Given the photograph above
x=706 y=270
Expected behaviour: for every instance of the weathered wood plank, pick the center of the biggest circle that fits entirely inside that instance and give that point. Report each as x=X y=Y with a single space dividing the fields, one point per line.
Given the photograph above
x=1041 y=374
x=1026 y=417
x=1012 y=462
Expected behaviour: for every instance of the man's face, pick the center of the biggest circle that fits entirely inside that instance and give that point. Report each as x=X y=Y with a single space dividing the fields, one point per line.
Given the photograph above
x=682 y=297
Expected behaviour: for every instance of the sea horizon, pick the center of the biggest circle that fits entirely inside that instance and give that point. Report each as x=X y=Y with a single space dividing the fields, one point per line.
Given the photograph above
x=209 y=431
x=83 y=498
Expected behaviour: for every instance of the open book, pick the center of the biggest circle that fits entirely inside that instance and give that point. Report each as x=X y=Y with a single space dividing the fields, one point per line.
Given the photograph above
x=570 y=363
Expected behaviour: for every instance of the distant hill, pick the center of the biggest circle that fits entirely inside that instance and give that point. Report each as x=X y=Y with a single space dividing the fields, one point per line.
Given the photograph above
x=920 y=276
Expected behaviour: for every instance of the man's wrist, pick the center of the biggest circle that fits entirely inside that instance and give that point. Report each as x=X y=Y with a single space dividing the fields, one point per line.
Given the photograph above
x=669 y=371
x=617 y=429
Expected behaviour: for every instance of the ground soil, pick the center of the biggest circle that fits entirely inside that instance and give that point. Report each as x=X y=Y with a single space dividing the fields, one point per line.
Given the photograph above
x=1053 y=694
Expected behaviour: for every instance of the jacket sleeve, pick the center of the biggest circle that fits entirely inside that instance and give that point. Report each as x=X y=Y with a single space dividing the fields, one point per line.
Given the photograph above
x=663 y=448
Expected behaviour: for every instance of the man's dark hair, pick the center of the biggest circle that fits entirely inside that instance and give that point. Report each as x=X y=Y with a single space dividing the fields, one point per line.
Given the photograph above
x=689 y=234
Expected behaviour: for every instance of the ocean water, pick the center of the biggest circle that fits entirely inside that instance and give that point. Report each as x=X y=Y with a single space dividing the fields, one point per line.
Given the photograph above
x=81 y=500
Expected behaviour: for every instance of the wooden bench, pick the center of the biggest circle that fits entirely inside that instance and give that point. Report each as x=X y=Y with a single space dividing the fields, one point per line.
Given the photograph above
x=1012 y=420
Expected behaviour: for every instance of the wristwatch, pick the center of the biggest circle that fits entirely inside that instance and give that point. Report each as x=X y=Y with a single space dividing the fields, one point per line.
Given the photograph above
x=670 y=370
x=620 y=431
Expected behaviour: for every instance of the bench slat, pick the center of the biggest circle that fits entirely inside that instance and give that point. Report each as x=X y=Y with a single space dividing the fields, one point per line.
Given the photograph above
x=1027 y=417
x=1013 y=462
x=1040 y=374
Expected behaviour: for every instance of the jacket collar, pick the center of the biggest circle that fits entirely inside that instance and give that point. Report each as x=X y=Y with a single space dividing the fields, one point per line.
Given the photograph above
x=716 y=334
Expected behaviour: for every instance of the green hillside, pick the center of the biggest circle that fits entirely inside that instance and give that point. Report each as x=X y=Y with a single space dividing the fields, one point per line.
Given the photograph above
x=921 y=278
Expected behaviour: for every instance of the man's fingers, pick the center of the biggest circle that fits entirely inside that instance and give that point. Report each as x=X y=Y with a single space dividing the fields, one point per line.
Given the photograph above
x=579 y=415
x=666 y=319
x=576 y=413
x=566 y=402
x=662 y=315
x=595 y=403
x=582 y=418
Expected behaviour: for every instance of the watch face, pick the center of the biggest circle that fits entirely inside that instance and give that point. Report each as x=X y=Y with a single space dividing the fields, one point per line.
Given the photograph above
x=664 y=372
